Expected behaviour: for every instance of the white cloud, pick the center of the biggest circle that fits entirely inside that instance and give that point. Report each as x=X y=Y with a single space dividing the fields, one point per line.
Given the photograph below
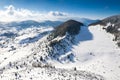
x=10 y=13
x=10 y=9
x=56 y=13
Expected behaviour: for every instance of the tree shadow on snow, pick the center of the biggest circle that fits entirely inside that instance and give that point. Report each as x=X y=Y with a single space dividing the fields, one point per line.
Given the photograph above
x=84 y=35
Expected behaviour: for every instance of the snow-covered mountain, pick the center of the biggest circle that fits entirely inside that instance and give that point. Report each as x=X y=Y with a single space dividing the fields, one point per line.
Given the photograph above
x=69 y=51
x=111 y=25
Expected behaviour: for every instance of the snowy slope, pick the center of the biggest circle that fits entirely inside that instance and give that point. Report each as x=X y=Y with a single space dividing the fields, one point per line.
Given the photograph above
x=18 y=47
x=100 y=54
x=49 y=74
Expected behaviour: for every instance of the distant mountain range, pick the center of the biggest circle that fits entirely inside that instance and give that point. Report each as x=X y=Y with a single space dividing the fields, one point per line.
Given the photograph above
x=31 y=23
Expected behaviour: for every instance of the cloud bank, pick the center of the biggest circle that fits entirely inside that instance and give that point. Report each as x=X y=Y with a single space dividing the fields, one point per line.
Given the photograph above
x=10 y=13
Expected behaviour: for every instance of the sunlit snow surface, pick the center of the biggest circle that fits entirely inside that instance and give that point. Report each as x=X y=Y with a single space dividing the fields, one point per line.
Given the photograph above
x=95 y=53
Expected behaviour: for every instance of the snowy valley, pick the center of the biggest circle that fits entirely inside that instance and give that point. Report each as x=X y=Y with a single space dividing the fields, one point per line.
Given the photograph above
x=71 y=50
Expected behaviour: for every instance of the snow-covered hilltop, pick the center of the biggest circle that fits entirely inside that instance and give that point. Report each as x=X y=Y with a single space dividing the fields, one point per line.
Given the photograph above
x=70 y=51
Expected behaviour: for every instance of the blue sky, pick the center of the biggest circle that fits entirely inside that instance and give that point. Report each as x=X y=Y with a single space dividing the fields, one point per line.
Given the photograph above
x=84 y=8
